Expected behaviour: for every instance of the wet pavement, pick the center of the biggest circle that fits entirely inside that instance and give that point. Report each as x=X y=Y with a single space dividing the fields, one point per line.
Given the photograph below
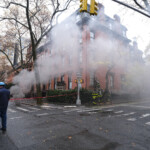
x=112 y=127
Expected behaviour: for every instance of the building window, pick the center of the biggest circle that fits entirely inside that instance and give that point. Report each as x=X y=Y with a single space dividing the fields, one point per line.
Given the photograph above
x=92 y=79
x=110 y=26
x=123 y=81
x=49 y=85
x=78 y=18
x=124 y=33
x=63 y=60
x=80 y=39
x=80 y=57
x=49 y=52
x=55 y=83
x=62 y=78
x=70 y=59
x=69 y=82
x=44 y=87
x=111 y=81
x=92 y=36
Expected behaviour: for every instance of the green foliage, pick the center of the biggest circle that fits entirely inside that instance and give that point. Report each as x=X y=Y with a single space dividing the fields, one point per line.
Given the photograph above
x=57 y=96
x=69 y=96
x=9 y=85
x=86 y=96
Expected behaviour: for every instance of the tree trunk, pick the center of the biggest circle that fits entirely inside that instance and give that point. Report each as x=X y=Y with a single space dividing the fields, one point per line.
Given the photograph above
x=38 y=86
x=106 y=95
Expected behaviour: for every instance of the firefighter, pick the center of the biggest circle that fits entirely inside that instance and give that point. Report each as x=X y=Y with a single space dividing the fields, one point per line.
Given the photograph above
x=4 y=99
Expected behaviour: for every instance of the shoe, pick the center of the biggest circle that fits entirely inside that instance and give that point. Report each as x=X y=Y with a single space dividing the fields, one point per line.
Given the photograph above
x=3 y=130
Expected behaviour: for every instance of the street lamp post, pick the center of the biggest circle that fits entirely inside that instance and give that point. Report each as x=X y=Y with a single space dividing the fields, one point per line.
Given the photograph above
x=78 y=101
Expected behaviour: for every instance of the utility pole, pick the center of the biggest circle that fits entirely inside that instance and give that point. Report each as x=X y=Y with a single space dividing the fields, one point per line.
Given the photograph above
x=78 y=101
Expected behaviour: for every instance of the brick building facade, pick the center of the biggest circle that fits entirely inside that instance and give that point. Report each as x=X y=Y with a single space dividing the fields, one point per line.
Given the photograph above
x=92 y=28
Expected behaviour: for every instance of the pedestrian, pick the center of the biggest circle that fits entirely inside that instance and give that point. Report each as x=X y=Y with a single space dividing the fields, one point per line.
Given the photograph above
x=4 y=99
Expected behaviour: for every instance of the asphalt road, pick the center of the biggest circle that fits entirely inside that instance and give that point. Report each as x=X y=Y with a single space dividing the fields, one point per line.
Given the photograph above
x=115 y=127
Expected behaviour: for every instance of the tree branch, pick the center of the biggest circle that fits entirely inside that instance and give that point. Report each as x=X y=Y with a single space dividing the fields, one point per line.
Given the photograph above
x=138 y=4
x=2 y=19
x=9 y=60
x=132 y=8
x=13 y=3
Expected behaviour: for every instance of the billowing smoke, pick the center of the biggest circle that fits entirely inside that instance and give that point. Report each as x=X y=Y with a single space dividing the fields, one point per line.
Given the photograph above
x=60 y=57
x=64 y=53
x=23 y=83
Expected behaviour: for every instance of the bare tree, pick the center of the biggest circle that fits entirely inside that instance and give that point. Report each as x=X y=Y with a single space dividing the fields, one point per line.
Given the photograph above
x=140 y=6
x=37 y=18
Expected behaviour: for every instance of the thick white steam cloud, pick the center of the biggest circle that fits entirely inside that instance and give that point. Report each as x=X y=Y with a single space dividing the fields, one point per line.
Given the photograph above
x=63 y=56
x=65 y=44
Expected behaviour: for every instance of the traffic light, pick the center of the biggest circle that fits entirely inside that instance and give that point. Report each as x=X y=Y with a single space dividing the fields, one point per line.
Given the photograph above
x=76 y=81
x=93 y=7
x=81 y=81
x=83 y=6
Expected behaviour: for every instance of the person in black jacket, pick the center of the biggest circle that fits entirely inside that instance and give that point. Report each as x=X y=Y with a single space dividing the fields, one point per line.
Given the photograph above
x=4 y=99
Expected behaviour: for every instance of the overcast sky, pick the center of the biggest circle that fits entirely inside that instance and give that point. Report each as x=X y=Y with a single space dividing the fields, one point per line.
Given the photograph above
x=137 y=24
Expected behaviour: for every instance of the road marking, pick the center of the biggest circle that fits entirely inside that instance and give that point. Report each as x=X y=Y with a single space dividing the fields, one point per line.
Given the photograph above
x=131 y=119
x=127 y=114
x=140 y=106
x=108 y=110
x=71 y=110
x=148 y=123
x=86 y=110
x=118 y=112
x=92 y=112
x=15 y=118
x=51 y=107
x=70 y=106
x=44 y=114
x=145 y=115
x=11 y=110
x=46 y=106
x=23 y=109
x=34 y=108
x=131 y=113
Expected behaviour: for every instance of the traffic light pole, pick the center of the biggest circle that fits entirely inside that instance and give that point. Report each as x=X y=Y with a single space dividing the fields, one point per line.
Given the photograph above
x=78 y=101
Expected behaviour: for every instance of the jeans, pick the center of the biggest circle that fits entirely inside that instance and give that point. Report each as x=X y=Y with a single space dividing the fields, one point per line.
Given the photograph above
x=3 y=116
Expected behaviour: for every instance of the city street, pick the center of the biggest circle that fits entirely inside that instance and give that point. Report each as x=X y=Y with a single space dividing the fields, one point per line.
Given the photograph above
x=122 y=126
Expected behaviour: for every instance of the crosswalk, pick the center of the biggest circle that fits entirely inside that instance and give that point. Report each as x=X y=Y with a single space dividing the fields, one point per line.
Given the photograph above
x=23 y=109
x=131 y=116
x=128 y=115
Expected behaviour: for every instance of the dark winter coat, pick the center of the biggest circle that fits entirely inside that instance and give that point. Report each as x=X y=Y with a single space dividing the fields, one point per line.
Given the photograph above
x=4 y=98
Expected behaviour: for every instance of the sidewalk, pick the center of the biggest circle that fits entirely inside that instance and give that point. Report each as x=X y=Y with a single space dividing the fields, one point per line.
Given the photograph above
x=6 y=143
x=114 y=101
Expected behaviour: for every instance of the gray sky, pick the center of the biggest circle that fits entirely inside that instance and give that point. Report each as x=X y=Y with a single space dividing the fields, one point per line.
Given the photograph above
x=137 y=24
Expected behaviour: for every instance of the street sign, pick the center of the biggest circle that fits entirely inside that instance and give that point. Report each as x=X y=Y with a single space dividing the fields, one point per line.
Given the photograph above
x=79 y=75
